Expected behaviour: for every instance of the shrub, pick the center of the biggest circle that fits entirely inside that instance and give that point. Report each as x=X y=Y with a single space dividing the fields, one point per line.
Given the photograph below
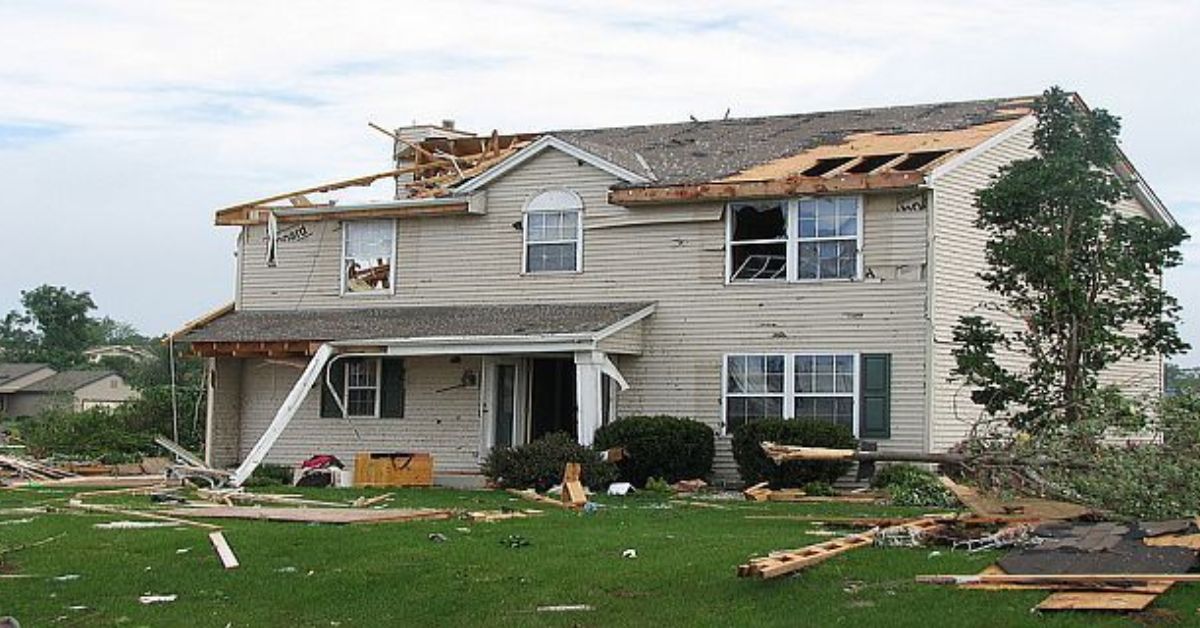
x=754 y=466
x=909 y=485
x=665 y=447
x=540 y=464
x=818 y=488
x=270 y=475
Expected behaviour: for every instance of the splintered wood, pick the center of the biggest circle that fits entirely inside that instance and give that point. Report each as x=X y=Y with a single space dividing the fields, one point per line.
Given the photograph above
x=784 y=562
x=572 y=489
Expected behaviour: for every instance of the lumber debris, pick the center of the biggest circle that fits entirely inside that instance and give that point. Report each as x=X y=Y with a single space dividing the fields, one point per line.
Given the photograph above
x=761 y=493
x=533 y=495
x=29 y=469
x=1101 y=600
x=573 y=495
x=128 y=512
x=180 y=451
x=784 y=562
x=228 y=496
x=93 y=481
x=492 y=516
x=1113 y=580
x=224 y=552
x=337 y=516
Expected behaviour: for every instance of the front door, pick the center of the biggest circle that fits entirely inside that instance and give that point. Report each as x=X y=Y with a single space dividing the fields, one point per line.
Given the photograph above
x=551 y=397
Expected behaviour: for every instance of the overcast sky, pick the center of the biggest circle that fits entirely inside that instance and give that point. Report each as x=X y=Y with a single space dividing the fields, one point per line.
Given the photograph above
x=124 y=125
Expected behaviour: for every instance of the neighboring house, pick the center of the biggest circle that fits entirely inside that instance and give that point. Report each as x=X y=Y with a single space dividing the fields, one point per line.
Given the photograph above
x=130 y=352
x=792 y=266
x=32 y=388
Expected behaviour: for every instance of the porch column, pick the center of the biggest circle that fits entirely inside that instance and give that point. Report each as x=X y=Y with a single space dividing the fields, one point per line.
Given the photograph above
x=588 y=369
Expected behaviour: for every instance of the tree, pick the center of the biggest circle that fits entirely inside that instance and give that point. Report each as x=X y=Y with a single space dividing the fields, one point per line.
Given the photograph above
x=1179 y=379
x=53 y=327
x=1083 y=281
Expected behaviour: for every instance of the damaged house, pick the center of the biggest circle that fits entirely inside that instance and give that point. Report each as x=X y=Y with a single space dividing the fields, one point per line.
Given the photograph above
x=509 y=286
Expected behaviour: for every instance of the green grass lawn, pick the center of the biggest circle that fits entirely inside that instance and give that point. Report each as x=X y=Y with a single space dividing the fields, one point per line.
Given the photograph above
x=392 y=574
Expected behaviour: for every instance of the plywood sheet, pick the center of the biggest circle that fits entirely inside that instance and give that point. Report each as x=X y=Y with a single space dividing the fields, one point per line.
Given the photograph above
x=1096 y=601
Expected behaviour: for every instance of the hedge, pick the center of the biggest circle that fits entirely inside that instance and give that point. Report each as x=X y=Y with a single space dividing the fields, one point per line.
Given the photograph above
x=754 y=466
x=540 y=464
x=666 y=447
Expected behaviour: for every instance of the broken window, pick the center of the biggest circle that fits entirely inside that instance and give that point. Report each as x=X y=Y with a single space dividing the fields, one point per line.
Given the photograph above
x=362 y=388
x=758 y=241
x=828 y=238
x=367 y=250
x=805 y=239
x=553 y=232
x=754 y=388
x=824 y=388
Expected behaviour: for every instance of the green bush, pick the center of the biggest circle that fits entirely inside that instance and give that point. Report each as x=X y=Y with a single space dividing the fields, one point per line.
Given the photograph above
x=910 y=485
x=270 y=475
x=665 y=447
x=754 y=466
x=540 y=464
x=818 y=488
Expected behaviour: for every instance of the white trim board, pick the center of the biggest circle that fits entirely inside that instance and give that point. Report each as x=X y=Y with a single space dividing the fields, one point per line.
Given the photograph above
x=541 y=144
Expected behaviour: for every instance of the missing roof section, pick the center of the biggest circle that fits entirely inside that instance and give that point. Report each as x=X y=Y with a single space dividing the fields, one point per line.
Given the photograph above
x=916 y=161
x=871 y=163
x=826 y=165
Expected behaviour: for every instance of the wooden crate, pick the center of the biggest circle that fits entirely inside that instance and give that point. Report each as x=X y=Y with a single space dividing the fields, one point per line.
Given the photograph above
x=393 y=469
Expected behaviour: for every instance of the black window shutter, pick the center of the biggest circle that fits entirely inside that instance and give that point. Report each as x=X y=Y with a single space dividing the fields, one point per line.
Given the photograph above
x=876 y=396
x=391 y=385
x=337 y=375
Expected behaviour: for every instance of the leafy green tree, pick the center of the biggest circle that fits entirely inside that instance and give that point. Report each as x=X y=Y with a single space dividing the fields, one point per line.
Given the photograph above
x=53 y=326
x=1179 y=380
x=1084 y=281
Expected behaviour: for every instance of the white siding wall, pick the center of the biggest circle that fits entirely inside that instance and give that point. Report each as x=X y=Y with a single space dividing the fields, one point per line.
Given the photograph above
x=441 y=417
x=671 y=255
x=958 y=255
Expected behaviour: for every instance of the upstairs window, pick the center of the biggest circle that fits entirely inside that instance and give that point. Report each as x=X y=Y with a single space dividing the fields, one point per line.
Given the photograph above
x=808 y=239
x=367 y=250
x=758 y=241
x=553 y=229
x=828 y=239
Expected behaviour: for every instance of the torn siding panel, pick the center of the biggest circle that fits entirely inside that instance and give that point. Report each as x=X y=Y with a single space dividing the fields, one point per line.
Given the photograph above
x=441 y=417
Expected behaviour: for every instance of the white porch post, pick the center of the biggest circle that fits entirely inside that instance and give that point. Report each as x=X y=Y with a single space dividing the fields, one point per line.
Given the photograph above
x=588 y=368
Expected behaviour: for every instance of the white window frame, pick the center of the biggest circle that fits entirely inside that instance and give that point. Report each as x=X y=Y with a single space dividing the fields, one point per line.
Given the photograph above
x=342 y=262
x=378 y=388
x=789 y=384
x=578 y=241
x=792 y=242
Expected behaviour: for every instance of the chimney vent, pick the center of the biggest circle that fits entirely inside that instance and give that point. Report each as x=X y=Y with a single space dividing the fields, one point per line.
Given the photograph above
x=448 y=124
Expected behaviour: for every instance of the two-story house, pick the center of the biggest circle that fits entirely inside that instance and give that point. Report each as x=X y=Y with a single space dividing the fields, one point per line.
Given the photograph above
x=808 y=265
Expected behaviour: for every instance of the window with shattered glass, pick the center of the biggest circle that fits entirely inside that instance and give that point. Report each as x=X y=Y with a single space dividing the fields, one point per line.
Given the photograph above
x=367 y=250
x=795 y=240
x=758 y=241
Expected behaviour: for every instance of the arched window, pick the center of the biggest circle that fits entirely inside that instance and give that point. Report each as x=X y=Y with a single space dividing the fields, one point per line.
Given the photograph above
x=554 y=232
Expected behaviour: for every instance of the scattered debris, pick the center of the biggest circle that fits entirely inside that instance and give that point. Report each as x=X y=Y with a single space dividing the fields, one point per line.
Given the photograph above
x=366 y=502
x=535 y=496
x=689 y=486
x=437 y=537
x=780 y=563
x=28 y=469
x=135 y=525
x=224 y=552
x=572 y=489
x=158 y=599
x=514 y=541
x=13 y=522
x=1019 y=535
x=75 y=503
x=762 y=493
x=491 y=516
x=314 y=515
x=562 y=608
x=67 y=577
x=629 y=553
x=620 y=489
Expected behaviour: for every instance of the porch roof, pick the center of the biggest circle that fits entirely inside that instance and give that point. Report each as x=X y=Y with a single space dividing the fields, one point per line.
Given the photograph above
x=458 y=322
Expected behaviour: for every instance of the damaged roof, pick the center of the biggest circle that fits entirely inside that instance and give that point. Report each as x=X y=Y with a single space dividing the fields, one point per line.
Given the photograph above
x=711 y=150
x=413 y=322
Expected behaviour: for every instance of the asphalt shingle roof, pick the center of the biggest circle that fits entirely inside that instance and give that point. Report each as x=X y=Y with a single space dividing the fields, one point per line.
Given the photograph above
x=66 y=381
x=13 y=370
x=707 y=150
x=413 y=322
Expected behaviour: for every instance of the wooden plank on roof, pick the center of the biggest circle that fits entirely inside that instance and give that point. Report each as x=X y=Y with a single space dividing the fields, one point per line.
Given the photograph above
x=791 y=186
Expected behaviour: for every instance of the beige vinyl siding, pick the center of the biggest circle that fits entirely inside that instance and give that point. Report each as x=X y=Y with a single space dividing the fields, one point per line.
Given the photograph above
x=107 y=391
x=223 y=429
x=958 y=255
x=441 y=417
x=671 y=255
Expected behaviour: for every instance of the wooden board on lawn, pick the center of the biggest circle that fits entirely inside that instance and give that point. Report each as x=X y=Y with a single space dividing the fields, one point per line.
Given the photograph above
x=314 y=515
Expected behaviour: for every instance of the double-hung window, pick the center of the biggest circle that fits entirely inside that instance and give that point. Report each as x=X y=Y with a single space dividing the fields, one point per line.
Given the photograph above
x=367 y=250
x=553 y=229
x=807 y=239
x=822 y=386
x=362 y=388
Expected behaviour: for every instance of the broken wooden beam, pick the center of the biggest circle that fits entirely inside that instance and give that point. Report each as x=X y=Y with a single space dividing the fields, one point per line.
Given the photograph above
x=745 y=190
x=784 y=562
x=224 y=552
x=1113 y=580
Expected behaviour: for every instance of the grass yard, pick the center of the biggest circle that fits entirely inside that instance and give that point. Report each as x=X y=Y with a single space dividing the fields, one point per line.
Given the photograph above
x=392 y=574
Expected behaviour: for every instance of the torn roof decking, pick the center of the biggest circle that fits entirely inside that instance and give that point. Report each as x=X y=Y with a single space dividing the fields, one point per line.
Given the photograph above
x=875 y=149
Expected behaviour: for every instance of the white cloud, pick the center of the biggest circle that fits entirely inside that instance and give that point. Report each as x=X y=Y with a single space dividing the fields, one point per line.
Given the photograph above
x=125 y=124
